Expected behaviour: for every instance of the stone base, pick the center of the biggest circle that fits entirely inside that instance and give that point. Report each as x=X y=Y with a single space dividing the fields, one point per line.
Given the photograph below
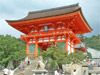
x=78 y=69
x=43 y=72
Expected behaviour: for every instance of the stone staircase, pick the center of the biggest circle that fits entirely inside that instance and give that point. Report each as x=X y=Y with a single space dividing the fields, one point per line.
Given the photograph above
x=27 y=70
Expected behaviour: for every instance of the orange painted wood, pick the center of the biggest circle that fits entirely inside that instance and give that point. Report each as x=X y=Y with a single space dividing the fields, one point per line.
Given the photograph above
x=36 y=50
x=66 y=45
x=65 y=19
x=27 y=48
x=60 y=27
x=41 y=48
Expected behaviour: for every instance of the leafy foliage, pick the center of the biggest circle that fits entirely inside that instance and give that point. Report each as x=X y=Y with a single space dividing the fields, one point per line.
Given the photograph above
x=89 y=56
x=11 y=49
x=56 y=56
x=93 y=42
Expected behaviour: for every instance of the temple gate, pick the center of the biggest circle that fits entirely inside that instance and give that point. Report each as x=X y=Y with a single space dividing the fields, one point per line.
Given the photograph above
x=47 y=27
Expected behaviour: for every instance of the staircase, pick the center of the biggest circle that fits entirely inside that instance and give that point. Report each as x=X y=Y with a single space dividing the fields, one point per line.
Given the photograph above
x=27 y=70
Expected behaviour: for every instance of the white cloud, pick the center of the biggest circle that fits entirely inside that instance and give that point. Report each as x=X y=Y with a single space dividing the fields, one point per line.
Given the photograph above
x=7 y=29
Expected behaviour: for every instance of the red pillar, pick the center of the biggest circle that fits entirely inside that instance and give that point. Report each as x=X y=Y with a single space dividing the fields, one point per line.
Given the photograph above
x=55 y=37
x=27 y=48
x=66 y=45
x=41 y=48
x=36 y=50
x=73 y=46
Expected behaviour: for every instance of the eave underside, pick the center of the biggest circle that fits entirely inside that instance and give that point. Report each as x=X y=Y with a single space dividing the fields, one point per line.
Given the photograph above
x=72 y=21
x=55 y=37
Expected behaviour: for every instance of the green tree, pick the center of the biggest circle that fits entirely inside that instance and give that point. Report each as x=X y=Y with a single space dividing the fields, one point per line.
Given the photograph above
x=56 y=56
x=93 y=42
x=89 y=56
x=11 y=49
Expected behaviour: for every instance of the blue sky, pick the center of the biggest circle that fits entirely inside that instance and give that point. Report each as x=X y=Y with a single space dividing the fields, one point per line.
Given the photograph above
x=17 y=9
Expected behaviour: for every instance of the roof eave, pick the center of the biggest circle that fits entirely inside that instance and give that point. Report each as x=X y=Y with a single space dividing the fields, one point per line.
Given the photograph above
x=48 y=10
x=85 y=20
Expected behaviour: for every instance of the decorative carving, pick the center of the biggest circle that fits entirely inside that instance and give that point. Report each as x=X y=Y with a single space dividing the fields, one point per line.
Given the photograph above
x=39 y=64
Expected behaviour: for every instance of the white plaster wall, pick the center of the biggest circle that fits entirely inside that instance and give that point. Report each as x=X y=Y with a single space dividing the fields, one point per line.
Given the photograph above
x=95 y=53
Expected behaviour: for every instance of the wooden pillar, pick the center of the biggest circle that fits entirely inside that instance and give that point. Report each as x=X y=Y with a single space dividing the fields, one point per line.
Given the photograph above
x=66 y=42
x=27 y=48
x=70 y=46
x=74 y=44
x=66 y=45
x=55 y=37
x=36 y=50
x=41 y=48
x=73 y=47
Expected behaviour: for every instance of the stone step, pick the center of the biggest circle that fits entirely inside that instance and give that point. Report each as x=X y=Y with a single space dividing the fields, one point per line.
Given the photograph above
x=27 y=70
